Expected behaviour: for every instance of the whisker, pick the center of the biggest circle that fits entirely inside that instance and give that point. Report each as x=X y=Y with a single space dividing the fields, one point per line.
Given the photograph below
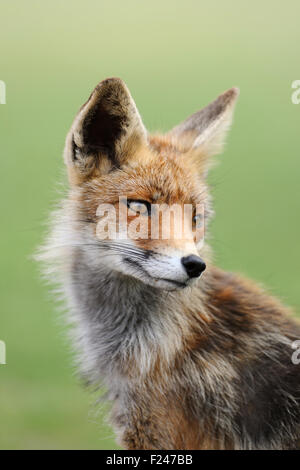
x=112 y=247
x=120 y=250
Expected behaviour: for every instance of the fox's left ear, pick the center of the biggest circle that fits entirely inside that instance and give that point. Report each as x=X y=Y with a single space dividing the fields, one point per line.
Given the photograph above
x=107 y=130
x=203 y=133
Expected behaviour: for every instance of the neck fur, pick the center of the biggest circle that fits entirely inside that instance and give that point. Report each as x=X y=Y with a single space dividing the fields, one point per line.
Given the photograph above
x=122 y=322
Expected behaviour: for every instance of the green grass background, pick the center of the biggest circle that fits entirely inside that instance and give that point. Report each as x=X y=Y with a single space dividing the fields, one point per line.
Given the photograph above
x=175 y=56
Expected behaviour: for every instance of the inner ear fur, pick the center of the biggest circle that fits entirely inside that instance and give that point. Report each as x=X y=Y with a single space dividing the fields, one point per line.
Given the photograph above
x=106 y=130
x=204 y=132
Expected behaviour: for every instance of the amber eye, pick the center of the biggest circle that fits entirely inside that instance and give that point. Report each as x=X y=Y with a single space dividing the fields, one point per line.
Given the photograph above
x=139 y=207
x=198 y=220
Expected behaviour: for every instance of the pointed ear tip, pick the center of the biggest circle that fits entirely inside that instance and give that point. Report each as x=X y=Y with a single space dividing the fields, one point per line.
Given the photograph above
x=231 y=95
x=110 y=82
x=235 y=91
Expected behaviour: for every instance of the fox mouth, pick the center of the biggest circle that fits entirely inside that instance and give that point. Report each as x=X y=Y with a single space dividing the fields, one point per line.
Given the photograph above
x=140 y=268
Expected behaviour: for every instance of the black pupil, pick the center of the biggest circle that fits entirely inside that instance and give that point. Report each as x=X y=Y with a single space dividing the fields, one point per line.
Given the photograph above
x=145 y=203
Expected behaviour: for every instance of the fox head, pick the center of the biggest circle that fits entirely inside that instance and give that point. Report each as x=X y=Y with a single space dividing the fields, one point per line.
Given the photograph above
x=141 y=201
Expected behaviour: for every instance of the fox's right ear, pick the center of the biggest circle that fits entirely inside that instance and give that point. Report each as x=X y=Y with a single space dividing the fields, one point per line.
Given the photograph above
x=106 y=131
x=202 y=134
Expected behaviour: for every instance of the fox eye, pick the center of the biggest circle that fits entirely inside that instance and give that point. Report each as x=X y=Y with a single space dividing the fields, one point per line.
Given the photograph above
x=139 y=207
x=198 y=220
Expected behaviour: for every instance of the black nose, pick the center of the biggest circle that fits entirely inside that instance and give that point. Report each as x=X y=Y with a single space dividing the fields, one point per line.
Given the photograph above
x=194 y=265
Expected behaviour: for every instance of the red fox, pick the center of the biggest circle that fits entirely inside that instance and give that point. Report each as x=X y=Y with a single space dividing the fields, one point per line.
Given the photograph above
x=192 y=357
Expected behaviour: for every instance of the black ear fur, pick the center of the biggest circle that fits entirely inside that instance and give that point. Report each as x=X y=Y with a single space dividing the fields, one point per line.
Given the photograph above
x=105 y=123
x=101 y=128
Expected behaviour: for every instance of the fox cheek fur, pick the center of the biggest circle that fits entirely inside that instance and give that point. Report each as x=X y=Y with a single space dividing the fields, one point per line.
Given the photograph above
x=207 y=366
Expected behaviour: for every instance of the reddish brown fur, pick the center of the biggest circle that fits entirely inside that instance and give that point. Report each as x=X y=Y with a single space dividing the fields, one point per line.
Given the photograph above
x=219 y=373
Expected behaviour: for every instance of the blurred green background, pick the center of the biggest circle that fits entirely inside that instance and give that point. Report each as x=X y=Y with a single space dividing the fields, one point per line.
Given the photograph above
x=175 y=56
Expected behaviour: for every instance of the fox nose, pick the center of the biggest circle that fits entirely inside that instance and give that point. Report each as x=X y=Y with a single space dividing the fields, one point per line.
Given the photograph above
x=193 y=265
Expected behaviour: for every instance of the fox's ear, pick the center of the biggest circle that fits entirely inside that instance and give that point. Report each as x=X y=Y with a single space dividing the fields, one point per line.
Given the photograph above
x=203 y=133
x=106 y=130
